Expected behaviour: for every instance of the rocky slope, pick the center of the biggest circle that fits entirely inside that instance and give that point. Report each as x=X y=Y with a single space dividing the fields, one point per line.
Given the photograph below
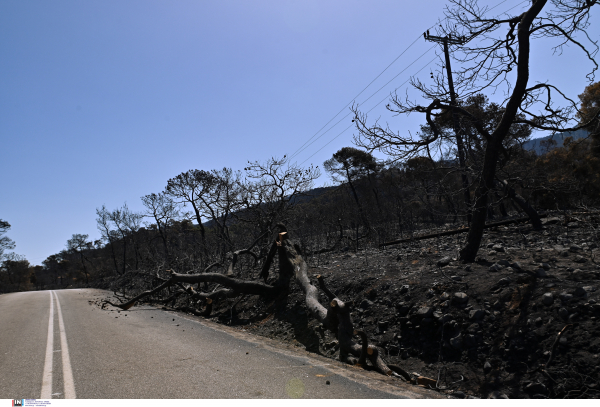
x=487 y=329
x=520 y=322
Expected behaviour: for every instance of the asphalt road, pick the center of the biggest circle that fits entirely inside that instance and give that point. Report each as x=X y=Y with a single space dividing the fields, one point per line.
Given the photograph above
x=56 y=344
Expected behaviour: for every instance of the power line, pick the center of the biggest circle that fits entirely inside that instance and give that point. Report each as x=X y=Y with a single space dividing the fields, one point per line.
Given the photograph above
x=351 y=125
x=360 y=93
x=373 y=94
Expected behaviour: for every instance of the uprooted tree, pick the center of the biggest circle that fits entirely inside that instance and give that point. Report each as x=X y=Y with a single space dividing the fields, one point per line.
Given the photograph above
x=492 y=52
x=335 y=315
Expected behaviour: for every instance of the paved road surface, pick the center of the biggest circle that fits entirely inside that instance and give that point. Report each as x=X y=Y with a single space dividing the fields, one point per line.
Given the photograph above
x=55 y=344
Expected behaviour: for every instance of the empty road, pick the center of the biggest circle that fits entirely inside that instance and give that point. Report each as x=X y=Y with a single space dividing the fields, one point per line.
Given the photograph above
x=56 y=344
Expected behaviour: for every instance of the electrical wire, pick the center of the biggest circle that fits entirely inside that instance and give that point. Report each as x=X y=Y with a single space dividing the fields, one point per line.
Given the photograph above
x=373 y=94
x=360 y=93
x=351 y=125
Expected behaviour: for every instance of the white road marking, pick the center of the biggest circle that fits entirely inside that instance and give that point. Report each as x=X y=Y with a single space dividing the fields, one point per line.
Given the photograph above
x=66 y=362
x=47 y=376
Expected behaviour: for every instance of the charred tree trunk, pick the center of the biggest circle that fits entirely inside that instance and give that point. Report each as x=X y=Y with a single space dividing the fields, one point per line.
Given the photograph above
x=486 y=184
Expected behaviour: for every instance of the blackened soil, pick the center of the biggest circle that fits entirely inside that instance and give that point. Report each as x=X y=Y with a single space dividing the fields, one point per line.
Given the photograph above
x=488 y=329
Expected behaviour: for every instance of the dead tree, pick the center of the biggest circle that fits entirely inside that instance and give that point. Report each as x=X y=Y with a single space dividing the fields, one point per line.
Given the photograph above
x=496 y=52
x=335 y=315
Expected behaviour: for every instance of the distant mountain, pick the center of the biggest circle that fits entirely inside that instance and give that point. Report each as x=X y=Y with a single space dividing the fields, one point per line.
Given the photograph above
x=537 y=146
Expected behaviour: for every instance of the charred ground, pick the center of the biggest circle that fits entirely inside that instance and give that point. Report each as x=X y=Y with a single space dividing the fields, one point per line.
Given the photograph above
x=520 y=322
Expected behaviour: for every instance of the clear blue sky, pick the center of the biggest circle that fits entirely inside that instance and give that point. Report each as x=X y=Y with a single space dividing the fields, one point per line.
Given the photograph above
x=101 y=102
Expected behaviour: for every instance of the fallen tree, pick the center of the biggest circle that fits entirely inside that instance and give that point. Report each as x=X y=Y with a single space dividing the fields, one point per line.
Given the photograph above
x=334 y=316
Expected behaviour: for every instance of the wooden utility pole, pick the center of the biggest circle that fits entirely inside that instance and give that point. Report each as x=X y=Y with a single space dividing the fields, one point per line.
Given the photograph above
x=459 y=141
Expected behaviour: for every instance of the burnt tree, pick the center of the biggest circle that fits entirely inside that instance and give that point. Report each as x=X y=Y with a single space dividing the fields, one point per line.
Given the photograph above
x=496 y=52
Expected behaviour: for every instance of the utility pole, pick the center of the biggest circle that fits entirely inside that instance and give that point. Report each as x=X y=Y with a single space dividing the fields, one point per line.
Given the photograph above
x=459 y=141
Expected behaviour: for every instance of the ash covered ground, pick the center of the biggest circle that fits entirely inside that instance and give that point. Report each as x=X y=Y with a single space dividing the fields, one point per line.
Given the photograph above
x=520 y=322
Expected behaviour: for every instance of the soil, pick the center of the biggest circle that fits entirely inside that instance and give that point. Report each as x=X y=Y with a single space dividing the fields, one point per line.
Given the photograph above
x=520 y=322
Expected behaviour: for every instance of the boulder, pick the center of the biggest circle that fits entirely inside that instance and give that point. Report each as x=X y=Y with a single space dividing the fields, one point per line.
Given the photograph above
x=456 y=342
x=424 y=312
x=460 y=298
x=476 y=314
x=444 y=261
x=548 y=299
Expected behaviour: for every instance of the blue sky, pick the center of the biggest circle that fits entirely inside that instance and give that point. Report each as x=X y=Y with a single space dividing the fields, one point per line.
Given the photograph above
x=101 y=102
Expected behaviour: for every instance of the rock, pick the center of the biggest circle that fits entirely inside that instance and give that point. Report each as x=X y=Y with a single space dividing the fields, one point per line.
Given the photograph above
x=460 y=298
x=541 y=273
x=456 y=278
x=444 y=261
x=538 y=321
x=404 y=289
x=495 y=267
x=580 y=292
x=403 y=309
x=563 y=341
x=548 y=299
x=476 y=314
x=445 y=318
x=575 y=249
x=445 y=296
x=565 y=297
x=498 y=248
x=473 y=328
x=459 y=394
x=456 y=342
x=581 y=275
x=424 y=312
x=504 y=263
x=516 y=265
x=589 y=288
x=580 y=259
x=497 y=395
x=487 y=367
x=365 y=304
x=536 y=388
x=563 y=313
x=545 y=266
